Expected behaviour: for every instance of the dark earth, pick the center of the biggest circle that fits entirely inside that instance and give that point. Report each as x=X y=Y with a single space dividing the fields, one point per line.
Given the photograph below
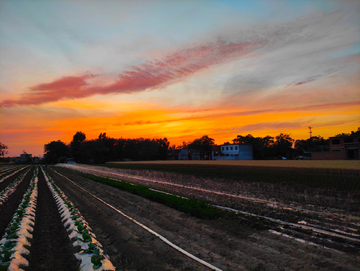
x=224 y=244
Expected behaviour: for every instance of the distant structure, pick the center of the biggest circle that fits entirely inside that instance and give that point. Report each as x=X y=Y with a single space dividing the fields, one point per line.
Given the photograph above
x=341 y=148
x=235 y=152
x=23 y=158
x=310 y=131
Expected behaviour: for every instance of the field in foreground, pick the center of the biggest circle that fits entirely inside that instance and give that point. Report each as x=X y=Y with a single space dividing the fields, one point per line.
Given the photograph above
x=271 y=226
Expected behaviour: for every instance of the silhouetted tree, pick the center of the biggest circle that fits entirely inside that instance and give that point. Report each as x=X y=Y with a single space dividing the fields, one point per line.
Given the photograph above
x=3 y=149
x=262 y=146
x=75 y=144
x=202 y=145
x=93 y=151
x=163 y=146
x=315 y=143
x=283 y=144
x=357 y=133
x=109 y=144
x=55 y=152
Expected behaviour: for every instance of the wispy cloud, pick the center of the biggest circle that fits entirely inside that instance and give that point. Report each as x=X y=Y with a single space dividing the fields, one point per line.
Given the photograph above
x=151 y=74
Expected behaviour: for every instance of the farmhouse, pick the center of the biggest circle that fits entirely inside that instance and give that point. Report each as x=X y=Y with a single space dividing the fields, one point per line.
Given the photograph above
x=235 y=152
x=23 y=158
x=341 y=148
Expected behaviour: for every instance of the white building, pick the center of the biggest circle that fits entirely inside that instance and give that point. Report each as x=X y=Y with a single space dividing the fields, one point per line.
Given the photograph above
x=236 y=152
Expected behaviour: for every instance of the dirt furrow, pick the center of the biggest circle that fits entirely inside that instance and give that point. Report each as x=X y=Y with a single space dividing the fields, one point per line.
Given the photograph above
x=50 y=248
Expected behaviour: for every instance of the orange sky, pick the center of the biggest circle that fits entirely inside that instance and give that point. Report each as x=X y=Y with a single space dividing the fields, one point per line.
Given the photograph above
x=252 y=69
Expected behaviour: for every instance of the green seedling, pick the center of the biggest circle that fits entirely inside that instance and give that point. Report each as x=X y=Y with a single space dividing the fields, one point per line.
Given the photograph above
x=80 y=228
x=6 y=257
x=92 y=249
x=86 y=236
x=20 y=212
x=13 y=236
x=4 y=266
x=8 y=245
x=96 y=261
x=13 y=228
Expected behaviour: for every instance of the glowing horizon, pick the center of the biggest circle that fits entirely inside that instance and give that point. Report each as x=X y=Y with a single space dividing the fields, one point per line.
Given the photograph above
x=177 y=70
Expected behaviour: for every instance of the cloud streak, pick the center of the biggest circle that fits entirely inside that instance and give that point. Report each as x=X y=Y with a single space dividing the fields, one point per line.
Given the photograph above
x=149 y=75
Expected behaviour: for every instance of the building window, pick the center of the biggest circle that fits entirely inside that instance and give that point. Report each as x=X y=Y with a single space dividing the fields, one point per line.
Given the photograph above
x=231 y=148
x=335 y=141
x=235 y=147
x=227 y=148
x=348 y=140
x=222 y=148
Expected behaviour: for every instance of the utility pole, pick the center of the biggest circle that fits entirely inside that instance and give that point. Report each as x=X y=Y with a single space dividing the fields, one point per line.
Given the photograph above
x=310 y=131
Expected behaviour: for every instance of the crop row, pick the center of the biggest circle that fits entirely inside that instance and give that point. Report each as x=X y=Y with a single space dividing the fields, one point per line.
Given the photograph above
x=10 y=172
x=4 y=194
x=9 y=168
x=18 y=232
x=91 y=254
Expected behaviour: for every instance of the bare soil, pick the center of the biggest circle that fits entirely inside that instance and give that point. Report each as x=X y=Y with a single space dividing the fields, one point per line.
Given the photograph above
x=312 y=164
x=225 y=244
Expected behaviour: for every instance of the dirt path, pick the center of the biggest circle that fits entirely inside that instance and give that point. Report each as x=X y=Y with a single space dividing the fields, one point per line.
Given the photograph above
x=225 y=244
x=50 y=247
x=7 y=209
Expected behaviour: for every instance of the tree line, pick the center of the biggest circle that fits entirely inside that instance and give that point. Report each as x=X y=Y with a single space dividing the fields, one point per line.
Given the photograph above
x=105 y=149
x=266 y=147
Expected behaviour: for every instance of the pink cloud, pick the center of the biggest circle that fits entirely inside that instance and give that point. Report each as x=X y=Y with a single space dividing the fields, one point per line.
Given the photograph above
x=151 y=74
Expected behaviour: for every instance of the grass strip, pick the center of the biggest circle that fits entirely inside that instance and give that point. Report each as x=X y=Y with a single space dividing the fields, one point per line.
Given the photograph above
x=193 y=207
x=291 y=177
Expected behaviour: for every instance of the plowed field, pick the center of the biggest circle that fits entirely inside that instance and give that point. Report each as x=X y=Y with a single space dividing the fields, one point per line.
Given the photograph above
x=128 y=227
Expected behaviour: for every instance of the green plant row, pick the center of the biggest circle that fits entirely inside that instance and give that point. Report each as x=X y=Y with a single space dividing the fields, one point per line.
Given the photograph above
x=79 y=229
x=283 y=176
x=9 y=172
x=193 y=207
x=4 y=194
x=17 y=232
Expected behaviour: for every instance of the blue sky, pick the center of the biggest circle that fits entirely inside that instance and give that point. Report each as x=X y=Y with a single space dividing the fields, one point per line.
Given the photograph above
x=179 y=69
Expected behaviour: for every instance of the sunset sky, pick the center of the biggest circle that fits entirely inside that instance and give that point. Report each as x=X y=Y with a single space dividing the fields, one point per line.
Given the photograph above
x=176 y=69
